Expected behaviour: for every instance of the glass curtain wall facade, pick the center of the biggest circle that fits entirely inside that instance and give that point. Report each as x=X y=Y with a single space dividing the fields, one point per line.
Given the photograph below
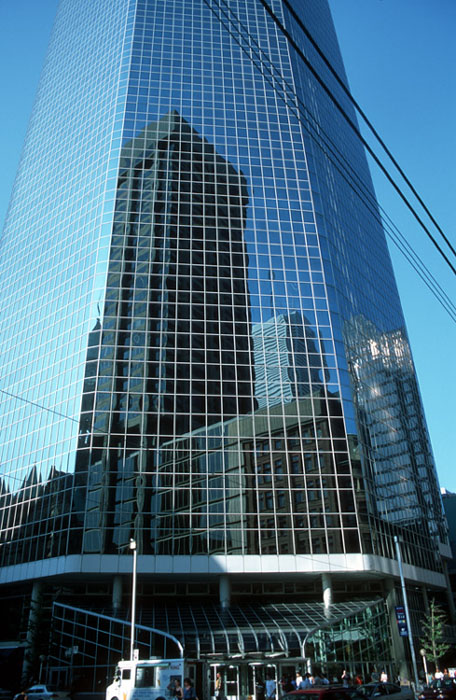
x=198 y=310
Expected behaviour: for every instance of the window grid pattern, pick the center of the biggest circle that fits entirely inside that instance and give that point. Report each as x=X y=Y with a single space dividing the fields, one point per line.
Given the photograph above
x=206 y=301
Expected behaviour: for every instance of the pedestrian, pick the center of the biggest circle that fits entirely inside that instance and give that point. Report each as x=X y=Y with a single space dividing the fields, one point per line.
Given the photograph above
x=358 y=679
x=189 y=690
x=286 y=684
x=260 y=688
x=298 y=680
x=21 y=696
x=270 y=687
x=218 y=689
x=178 y=690
x=383 y=677
x=345 y=678
x=307 y=682
x=324 y=679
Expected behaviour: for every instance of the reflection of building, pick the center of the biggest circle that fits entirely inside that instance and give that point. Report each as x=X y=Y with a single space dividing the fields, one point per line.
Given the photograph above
x=397 y=452
x=39 y=511
x=449 y=505
x=202 y=321
x=264 y=494
x=174 y=347
x=295 y=505
x=287 y=360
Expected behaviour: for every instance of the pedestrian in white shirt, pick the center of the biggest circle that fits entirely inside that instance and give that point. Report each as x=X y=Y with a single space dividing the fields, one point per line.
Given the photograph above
x=298 y=681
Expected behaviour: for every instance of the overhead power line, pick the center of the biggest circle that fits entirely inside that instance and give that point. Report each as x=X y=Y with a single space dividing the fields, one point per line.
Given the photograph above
x=355 y=129
x=106 y=434
x=38 y=405
x=296 y=108
x=366 y=120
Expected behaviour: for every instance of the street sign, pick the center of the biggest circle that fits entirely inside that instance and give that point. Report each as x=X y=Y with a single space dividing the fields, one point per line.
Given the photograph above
x=401 y=620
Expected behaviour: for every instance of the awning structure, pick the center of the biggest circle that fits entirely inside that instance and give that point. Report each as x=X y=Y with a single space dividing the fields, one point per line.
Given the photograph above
x=273 y=629
x=208 y=631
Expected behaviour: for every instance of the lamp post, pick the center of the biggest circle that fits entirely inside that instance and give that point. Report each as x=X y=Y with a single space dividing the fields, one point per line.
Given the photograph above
x=423 y=655
x=132 y=546
x=406 y=608
x=42 y=660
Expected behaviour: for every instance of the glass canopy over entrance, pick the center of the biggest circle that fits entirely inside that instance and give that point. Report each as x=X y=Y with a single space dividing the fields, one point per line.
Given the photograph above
x=244 y=643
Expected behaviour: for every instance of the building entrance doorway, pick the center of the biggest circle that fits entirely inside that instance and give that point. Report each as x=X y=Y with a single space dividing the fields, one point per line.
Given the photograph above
x=248 y=679
x=230 y=681
x=258 y=674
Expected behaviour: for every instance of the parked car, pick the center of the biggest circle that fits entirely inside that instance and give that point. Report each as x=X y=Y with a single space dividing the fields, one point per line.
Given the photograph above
x=321 y=692
x=444 y=689
x=43 y=692
x=5 y=694
x=353 y=691
x=387 y=690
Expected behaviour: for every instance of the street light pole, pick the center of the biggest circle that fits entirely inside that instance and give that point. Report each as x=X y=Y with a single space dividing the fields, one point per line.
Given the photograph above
x=406 y=608
x=42 y=660
x=132 y=546
x=423 y=654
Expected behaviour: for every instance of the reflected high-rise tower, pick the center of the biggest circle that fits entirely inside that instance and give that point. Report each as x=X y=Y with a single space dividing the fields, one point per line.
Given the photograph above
x=203 y=349
x=174 y=343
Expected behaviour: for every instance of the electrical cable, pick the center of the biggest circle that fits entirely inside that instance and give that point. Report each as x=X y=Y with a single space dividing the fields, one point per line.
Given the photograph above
x=63 y=415
x=355 y=129
x=366 y=120
x=33 y=403
x=75 y=420
x=45 y=408
x=410 y=254
x=20 y=398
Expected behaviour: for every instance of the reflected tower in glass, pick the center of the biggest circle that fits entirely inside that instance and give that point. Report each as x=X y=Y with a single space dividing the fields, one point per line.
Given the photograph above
x=203 y=346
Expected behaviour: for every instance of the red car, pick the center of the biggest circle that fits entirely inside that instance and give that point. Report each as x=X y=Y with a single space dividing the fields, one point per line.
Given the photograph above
x=321 y=692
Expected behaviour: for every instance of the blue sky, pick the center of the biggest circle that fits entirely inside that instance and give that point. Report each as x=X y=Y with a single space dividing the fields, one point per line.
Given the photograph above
x=400 y=57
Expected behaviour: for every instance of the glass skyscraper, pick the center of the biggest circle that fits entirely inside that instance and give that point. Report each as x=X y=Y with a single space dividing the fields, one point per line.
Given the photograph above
x=203 y=346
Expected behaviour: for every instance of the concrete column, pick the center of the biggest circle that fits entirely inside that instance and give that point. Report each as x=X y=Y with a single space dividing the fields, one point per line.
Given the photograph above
x=117 y=585
x=449 y=594
x=425 y=599
x=225 y=591
x=326 y=585
x=398 y=650
x=32 y=629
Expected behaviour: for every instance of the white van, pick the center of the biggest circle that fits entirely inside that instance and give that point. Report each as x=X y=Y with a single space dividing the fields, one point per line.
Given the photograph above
x=151 y=679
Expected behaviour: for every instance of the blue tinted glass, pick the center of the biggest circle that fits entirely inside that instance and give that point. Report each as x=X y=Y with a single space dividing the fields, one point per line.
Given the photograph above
x=194 y=291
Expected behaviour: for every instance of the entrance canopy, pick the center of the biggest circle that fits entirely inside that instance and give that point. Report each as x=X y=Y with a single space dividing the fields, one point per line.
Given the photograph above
x=90 y=642
x=275 y=629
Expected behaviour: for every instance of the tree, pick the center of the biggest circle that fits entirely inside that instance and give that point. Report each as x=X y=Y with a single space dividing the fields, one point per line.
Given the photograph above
x=433 y=639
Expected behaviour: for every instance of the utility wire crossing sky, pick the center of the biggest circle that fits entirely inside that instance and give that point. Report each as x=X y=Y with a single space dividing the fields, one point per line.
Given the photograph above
x=399 y=59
